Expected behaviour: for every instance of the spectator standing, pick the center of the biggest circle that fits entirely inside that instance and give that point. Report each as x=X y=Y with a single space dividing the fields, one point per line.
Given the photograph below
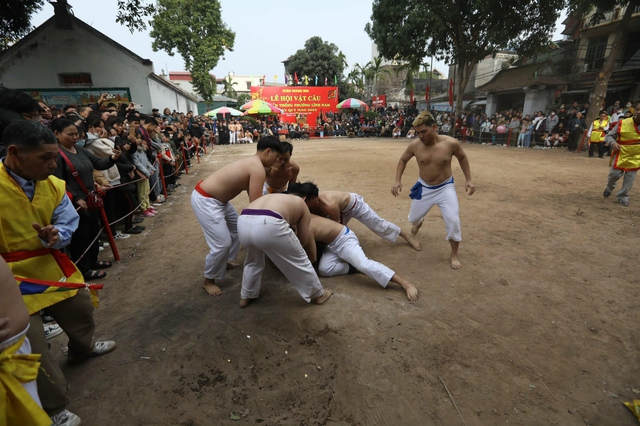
x=577 y=126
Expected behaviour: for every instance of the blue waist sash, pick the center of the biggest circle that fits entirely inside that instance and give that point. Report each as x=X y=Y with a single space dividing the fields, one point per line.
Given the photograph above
x=416 y=190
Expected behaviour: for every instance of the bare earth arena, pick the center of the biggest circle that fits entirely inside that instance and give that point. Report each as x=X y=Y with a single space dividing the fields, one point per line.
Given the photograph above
x=538 y=327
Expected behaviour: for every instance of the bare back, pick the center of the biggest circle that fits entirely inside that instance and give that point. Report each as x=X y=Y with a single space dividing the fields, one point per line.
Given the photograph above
x=331 y=203
x=246 y=174
x=290 y=207
x=324 y=230
x=434 y=160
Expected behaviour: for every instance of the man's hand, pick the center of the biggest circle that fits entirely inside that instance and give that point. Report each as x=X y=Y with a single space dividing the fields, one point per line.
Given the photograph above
x=5 y=331
x=117 y=152
x=396 y=189
x=82 y=204
x=49 y=233
x=469 y=187
x=615 y=146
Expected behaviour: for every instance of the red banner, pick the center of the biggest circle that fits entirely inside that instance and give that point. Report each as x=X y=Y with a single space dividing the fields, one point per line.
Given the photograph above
x=299 y=103
x=378 y=101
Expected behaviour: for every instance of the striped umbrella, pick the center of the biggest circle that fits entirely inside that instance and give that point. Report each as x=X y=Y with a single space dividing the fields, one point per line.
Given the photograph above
x=224 y=111
x=352 y=103
x=260 y=107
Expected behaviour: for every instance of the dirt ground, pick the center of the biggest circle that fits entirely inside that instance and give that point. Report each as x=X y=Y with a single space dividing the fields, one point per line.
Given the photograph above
x=538 y=327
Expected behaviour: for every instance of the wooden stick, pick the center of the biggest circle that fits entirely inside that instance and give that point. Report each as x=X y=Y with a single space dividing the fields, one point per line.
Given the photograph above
x=454 y=403
x=545 y=386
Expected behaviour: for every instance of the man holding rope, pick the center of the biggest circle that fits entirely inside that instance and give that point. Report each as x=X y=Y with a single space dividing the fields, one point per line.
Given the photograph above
x=217 y=217
x=37 y=219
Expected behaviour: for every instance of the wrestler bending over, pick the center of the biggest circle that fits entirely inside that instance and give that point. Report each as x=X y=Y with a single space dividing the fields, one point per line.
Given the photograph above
x=341 y=207
x=435 y=185
x=281 y=174
x=217 y=217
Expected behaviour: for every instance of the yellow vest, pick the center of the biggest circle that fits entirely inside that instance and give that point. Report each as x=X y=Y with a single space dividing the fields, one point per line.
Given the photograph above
x=17 y=214
x=597 y=133
x=628 y=158
x=17 y=407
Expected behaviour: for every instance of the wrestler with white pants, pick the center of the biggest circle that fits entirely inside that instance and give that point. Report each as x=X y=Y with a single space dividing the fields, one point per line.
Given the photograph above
x=343 y=253
x=267 y=189
x=433 y=154
x=283 y=173
x=217 y=217
x=343 y=206
x=265 y=227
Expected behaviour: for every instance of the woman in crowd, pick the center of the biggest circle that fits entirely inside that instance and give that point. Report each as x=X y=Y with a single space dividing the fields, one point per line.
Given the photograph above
x=83 y=247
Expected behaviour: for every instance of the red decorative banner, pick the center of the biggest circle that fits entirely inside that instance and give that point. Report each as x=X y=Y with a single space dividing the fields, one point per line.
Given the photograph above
x=378 y=101
x=301 y=104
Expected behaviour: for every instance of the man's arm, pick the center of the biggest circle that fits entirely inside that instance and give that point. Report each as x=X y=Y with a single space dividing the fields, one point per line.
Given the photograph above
x=304 y=233
x=256 y=183
x=402 y=164
x=465 y=166
x=294 y=174
x=611 y=138
x=64 y=222
x=333 y=210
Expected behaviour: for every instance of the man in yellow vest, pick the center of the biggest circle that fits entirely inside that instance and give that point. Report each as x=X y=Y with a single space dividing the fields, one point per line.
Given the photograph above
x=598 y=129
x=624 y=140
x=37 y=219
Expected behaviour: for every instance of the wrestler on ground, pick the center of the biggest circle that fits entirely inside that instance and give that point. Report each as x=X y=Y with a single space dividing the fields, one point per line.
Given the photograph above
x=343 y=251
x=37 y=220
x=281 y=174
x=265 y=227
x=21 y=404
x=433 y=154
x=624 y=140
x=342 y=206
x=217 y=217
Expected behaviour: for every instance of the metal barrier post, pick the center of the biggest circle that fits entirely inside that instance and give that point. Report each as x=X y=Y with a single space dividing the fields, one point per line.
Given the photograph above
x=107 y=228
x=184 y=160
x=164 y=184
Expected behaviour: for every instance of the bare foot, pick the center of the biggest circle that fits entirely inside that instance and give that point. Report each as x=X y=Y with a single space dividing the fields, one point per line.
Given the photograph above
x=244 y=302
x=211 y=287
x=413 y=243
x=325 y=296
x=417 y=227
x=232 y=265
x=455 y=263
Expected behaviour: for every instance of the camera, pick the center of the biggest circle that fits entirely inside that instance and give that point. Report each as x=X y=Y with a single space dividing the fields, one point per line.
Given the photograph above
x=109 y=96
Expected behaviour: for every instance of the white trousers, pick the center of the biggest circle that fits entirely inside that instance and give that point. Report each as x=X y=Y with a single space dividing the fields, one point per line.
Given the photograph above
x=444 y=195
x=268 y=189
x=359 y=210
x=260 y=235
x=345 y=250
x=232 y=136
x=25 y=349
x=219 y=222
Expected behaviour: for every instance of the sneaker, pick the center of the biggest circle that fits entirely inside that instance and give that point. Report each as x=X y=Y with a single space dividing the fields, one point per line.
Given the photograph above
x=100 y=248
x=153 y=210
x=99 y=348
x=160 y=199
x=47 y=318
x=147 y=213
x=52 y=330
x=136 y=230
x=137 y=220
x=623 y=202
x=606 y=193
x=120 y=236
x=156 y=205
x=65 y=418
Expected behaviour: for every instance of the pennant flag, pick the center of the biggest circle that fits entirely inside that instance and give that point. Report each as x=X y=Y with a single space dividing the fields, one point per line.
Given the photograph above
x=325 y=80
x=286 y=80
x=316 y=80
x=295 y=77
x=426 y=93
x=306 y=80
x=411 y=101
x=275 y=78
x=264 y=80
x=335 y=79
x=558 y=92
x=451 y=92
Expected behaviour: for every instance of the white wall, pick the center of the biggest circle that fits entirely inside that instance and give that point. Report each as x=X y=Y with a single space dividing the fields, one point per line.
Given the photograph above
x=535 y=100
x=487 y=68
x=163 y=97
x=52 y=51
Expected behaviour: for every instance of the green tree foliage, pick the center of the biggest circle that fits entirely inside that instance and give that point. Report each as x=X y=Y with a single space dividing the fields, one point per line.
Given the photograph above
x=322 y=59
x=581 y=7
x=193 y=28
x=133 y=14
x=243 y=98
x=460 y=31
x=228 y=89
x=15 y=19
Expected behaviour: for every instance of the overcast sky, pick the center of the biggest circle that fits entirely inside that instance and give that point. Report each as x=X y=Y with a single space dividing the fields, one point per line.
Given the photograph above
x=266 y=32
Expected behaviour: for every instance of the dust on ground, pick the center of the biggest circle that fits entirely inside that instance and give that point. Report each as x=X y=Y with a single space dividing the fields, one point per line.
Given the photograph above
x=539 y=327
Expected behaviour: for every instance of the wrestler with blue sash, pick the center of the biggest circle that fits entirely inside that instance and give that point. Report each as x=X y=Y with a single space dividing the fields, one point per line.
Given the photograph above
x=435 y=184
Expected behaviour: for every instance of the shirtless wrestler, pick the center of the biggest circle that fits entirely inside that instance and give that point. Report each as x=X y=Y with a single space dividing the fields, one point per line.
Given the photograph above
x=282 y=173
x=343 y=249
x=342 y=206
x=265 y=227
x=217 y=217
x=435 y=185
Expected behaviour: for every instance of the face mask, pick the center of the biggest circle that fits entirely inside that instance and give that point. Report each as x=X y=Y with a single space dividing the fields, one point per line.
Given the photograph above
x=80 y=142
x=628 y=105
x=112 y=138
x=553 y=113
